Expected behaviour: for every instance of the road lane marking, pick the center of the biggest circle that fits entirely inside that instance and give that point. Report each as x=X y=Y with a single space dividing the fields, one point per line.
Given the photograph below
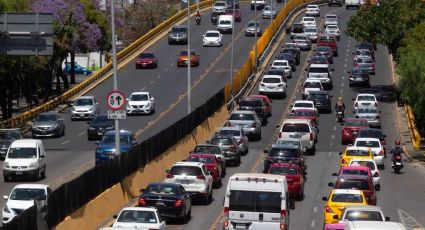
x=342 y=84
x=143 y=88
x=329 y=153
x=67 y=141
x=333 y=136
x=334 y=128
x=82 y=133
x=408 y=221
x=313 y=223
x=159 y=76
x=315 y=209
x=152 y=82
x=341 y=91
x=172 y=64
x=166 y=70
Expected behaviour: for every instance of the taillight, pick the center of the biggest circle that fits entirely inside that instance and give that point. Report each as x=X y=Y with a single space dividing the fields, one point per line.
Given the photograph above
x=378 y=117
x=381 y=153
x=376 y=103
x=254 y=125
x=142 y=201
x=343 y=161
x=179 y=203
x=398 y=158
x=200 y=177
x=328 y=209
x=226 y=218
x=282 y=219
x=169 y=175
x=280 y=135
x=376 y=174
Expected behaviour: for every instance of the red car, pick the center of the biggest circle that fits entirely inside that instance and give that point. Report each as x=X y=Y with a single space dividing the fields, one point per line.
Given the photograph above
x=212 y=163
x=309 y=114
x=351 y=129
x=236 y=14
x=146 y=60
x=328 y=40
x=294 y=176
x=266 y=101
x=363 y=183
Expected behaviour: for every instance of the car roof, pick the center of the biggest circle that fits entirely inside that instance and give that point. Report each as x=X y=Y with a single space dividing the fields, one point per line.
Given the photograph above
x=356 y=148
x=272 y=76
x=319 y=92
x=365 y=94
x=212 y=31
x=289 y=139
x=355 y=167
x=25 y=143
x=179 y=26
x=140 y=93
x=363 y=207
x=295 y=120
x=311 y=80
x=37 y=186
x=238 y=128
x=334 y=15
x=319 y=65
x=305 y=109
x=368 y=139
x=85 y=97
x=260 y=96
x=354 y=119
x=284 y=147
x=346 y=191
x=188 y=163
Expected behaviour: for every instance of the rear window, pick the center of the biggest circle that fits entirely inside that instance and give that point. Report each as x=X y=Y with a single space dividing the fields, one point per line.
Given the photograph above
x=367 y=110
x=368 y=164
x=318 y=70
x=303 y=128
x=355 y=172
x=283 y=171
x=303 y=104
x=363 y=216
x=187 y=170
x=207 y=149
x=371 y=144
x=305 y=113
x=221 y=141
x=255 y=201
x=356 y=123
x=312 y=85
x=278 y=152
x=351 y=198
x=227 y=132
x=250 y=103
x=205 y=160
x=318 y=96
x=365 y=98
x=241 y=117
x=357 y=152
x=271 y=80
x=353 y=184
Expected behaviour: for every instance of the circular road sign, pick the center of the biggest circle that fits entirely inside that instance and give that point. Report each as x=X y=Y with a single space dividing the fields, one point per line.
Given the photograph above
x=115 y=100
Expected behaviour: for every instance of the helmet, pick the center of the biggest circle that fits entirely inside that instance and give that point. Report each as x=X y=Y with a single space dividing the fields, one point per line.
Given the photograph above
x=397 y=142
x=339 y=98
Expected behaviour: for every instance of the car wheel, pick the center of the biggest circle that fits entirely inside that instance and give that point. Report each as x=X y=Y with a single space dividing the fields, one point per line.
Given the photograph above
x=210 y=197
x=6 y=178
x=38 y=175
x=300 y=196
x=188 y=216
x=43 y=174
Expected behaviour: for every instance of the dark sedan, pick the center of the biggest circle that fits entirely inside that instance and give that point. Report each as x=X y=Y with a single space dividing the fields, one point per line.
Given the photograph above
x=146 y=60
x=318 y=60
x=171 y=200
x=290 y=58
x=283 y=154
x=359 y=77
x=321 y=99
x=236 y=14
x=98 y=126
x=325 y=51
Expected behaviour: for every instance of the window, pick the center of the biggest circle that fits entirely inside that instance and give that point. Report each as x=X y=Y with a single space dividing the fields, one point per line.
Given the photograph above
x=207 y=149
x=304 y=105
x=161 y=189
x=205 y=160
x=357 y=152
x=363 y=216
x=221 y=141
x=353 y=184
x=187 y=170
x=351 y=198
x=22 y=153
x=283 y=171
x=27 y=194
x=83 y=102
x=255 y=201
x=291 y=128
x=241 y=117
x=278 y=152
x=133 y=216
x=227 y=132
x=251 y=103
x=110 y=139
x=146 y=55
x=356 y=123
x=355 y=172
x=318 y=70
x=365 y=98
x=371 y=144
x=46 y=118
x=139 y=97
x=271 y=80
x=286 y=142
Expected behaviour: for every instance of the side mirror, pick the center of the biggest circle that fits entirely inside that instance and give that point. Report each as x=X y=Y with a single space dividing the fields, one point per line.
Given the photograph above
x=340 y=153
x=152 y=98
x=42 y=156
x=142 y=190
x=350 y=145
x=277 y=126
x=384 y=146
x=334 y=174
x=324 y=198
x=167 y=171
x=115 y=216
x=266 y=151
x=97 y=142
x=292 y=114
x=330 y=184
x=203 y=35
x=207 y=142
x=5 y=197
x=88 y=122
x=387 y=218
x=384 y=135
x=335 y=217
x=352 y=98
x=127 y=99
x=306 y=69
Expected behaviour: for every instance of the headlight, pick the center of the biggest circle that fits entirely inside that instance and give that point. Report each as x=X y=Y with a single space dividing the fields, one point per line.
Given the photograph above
x=148 y=104
x=32 y=165
x=6 y=165
x=55 y=126
x=6 y=209
x=110 y=127
x=99 y=151
x=128 y=106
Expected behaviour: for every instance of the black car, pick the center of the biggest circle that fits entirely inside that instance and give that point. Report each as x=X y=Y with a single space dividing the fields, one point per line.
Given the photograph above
x=325 y=51
x=279 y=72
x=359 y=77
x=98 y=126
x=318 y=60
x=7 y=136
x=230 y=4
x=178 y=34
x=290 y=58
x=373 y=133
x=294 y=52
x=254 y=104
x=171 y=200
x=335 y=2
x=322 y=100
x=282 y=154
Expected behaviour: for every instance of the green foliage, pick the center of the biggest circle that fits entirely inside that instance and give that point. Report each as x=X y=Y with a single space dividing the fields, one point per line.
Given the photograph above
x=95 y=16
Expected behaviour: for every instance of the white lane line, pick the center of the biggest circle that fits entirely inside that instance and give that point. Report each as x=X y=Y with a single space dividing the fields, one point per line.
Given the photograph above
x=341 y=90
x=334 y=128
x=315 y=209
x=329 y=153
x=333 y=136
x=313 y=223
x=346 y=62
x=172 y=63
x=152 y=82
x=343 y=77
x=166 y=70
x=345 y=65
x=159 y=76
x=143 y=88
x=65 y=142
x=82 y=133
x=342 y=84
x=408 y=221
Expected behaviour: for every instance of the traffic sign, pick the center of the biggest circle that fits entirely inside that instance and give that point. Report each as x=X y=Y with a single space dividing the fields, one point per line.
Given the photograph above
x=115 y=100
x=116 y=114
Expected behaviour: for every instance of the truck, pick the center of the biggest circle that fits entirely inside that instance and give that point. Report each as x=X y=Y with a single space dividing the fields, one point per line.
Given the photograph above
x=353 y=4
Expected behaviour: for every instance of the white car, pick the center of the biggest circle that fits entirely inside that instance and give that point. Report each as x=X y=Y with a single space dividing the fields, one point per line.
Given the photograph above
x=303 y=42
x=303 y=104
x=312 y=10
x=194 y=177
x=282 y=65
x=139 y=218
x=331 y=19
x=375 y=146
x=371 y=164
x=219 y=7
x=365 y=99
x=310 y=85
x=140 y=103
x=312 y=33
x=308 y=21
x=22 y=197
x=268 y=12
x=212 y=38
x=84 y=107
x=272 y=84
x=334 y=30
x=363 y=213
x=292 y=142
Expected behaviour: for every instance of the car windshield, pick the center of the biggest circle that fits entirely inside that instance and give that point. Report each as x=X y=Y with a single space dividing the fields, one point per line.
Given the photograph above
x=291 y=128
x=281 y=152
x=27 y=194
x=327 y=39
x=255 y=201
x=357 y=152
x=250 y=103
x=252 y=24
x=363 y=52
x=365 y=98
x=212 y=35
x=221 y=141
x=275 y=72
x=332 y=27
x=303 y=104
x=267 y=8
x=280 y=63
x=45 y=118
x=356 y=123
x=353 y=184
x=283 y=171
x=220 y=4
x=308 y=19
x=83 y=102
x=355 y=172
x=370 y=133
x=185 y=53
x=146 y=55
x=229 y=132
x=330 y=17
x=186 y=170
x=368 y=164
x=371 y=144
x=18 y=153
x=318 y=70
x=311 y=30
x=136 y=216
x=161 y=189
x=205 y=160
x=355 y=215
x=318 y=96
x=207 y=149
x=367 y=110
x=139 y=97
x=304 y=113
x=297 y=29
x=110 y=139
x=225 y=22
x=312 y=85
x=9 y=135
x=101 y=119
x=343 y=197
x=271 y=80
x=179 y=30
x=323 y=49
x=288 y=142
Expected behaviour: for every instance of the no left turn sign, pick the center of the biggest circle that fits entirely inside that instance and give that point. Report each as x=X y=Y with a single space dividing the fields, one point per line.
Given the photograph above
x=115 y=100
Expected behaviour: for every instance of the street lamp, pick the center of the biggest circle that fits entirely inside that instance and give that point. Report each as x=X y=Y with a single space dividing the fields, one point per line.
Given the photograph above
x=255 y=38
x=231 y=53
x=189 y=61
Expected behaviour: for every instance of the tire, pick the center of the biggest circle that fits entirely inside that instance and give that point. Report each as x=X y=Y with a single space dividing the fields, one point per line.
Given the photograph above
x=43 y=174
x=38 y=176
x=6 y=178
x=188 y=216
x=397 y=170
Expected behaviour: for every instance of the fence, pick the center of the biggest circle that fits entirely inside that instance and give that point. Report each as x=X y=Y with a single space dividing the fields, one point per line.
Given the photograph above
x=26 y=220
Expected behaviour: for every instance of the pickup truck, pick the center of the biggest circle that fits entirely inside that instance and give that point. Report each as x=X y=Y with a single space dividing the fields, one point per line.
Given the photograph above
x=330 y=41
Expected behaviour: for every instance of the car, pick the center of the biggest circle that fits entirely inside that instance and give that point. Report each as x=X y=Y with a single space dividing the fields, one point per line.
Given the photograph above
x=282 y=65
x=303 y=104
x=321 y=72
x=253 y=28
x=140 y=103
x=354 y=152
x=370 y=113
x=369 y=46
x=212 y=163
x=359 y=77
x=225 y=24
x=183 y=57
x=78 y=69
x=322 y=100
x=358 y=170
x=317 y=59
x=310 y=85
x=254 y=104
x=292 y=141
x=106 y=146
x=266 y=101
x=98 y=126
x=294 y=175
x=283 y=154
x=338 y=200
x=269 y=12
x=220 y=7
x=365 y=99
x=302 y=129
x=363 y=213
x=229 y=147
x=146 y=60
x=278 y=72
x=338 y=226
x=178 y=35
x=308 y=21
x=365 y=62
x=297 y=29
x=338 y=3
x=303 y=41
x=22 y=197
x=48 y=124
x=140 y=218
x=371 y=164
x=351 y=128
x=292 y=46
x=212 y=38
x=7 y=136
x=324 y=51
x=84 y=107
x=236 y=15
x=294 y=51
x=170 y=199
x=373 y=132
x=211 y=149
x=230 y=4
x=290 y=58
x=272 y=85
x=358 y=182
x=308 y=114
x=330 y=19
x=248 y=120
x=194 y=177
x=334 y=30
x=363 y=52
x=328 y=40
x=312 y=10
x=238 y=133
x=312 y=33
x=258 y=4
x=375 y=146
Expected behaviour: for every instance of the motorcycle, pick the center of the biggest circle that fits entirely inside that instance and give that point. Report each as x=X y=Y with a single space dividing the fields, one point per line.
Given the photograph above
x=214 y=19
x=198 y=20
x=397 y=164
x=340 y=115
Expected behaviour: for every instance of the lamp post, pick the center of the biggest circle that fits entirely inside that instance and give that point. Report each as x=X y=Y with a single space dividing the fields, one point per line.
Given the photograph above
x=255 y=38
x=231 y=52
x=114 y=68
x=189 y=62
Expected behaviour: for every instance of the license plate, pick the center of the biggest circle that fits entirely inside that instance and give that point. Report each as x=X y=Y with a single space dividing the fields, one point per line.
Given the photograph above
x=99 y=133
x=19 y=173
x=241 y=226
x=160 y=203
x=184 y=181
x=365 y=103
x=355 y=133
x=398 y=163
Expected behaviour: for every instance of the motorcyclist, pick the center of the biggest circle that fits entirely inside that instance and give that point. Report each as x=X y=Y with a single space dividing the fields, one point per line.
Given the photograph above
x=198 y=17
x=396 y=150
x=214 y=18
x=340 y=106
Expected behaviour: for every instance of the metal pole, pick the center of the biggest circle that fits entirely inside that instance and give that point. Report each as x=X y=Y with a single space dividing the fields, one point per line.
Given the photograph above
x=255 y=44
x=271 y=18
x=189 y=62
x=231 y=52
x=114 y=67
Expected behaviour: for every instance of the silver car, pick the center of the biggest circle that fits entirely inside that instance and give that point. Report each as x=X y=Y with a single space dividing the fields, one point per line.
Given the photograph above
x=303 y=41
x=312 y=33
x=331 y=19
x=220 y=7
x=239 y=134
x=292 y=141
x=250 y=29
x=269 y=12
x=48 y=124
x=85 y=107
x=370 y=113
x=248 y=121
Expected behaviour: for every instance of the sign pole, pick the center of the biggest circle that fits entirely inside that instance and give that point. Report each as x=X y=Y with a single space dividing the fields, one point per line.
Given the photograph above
x=114 y=67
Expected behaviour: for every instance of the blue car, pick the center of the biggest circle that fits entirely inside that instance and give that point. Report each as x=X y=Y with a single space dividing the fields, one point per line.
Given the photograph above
x=77 y=69
x=106 y=147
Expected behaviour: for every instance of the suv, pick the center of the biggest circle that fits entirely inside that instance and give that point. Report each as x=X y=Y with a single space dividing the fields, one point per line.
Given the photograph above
x=358 y=182
x=7 y=136
x=229 y=147
x=272 y=84
x=259 y=4
x=194 y=177
x=220 y=7
x=321 y=72
x=106 y=147
x=239 y=134
x=300 y=128
x=283 y=154
x=178 y=34
x=254 y=104
x=85 y=107
x=322 y=100
x=249 y=122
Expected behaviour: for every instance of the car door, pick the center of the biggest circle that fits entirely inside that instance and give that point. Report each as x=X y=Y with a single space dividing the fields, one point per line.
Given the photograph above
x=41 y=156
x=208 y=177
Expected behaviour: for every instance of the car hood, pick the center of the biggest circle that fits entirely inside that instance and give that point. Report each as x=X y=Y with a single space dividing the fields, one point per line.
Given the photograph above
x=21 y=161
x=212 y=38
x=20 y=204
x=5 y=143
x=46 y=124
x=138 y=102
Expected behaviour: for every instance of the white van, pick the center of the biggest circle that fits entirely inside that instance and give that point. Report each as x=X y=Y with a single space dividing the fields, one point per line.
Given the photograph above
x=256 y=201
x=373 y=225
x=225 y=24
x=25 y=157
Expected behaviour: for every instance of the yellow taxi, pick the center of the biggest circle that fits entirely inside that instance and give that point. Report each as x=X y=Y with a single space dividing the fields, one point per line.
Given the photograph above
x=338 y=200
x=355 y=152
